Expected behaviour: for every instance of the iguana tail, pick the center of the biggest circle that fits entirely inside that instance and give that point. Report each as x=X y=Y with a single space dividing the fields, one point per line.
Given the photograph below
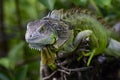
x=113 y=48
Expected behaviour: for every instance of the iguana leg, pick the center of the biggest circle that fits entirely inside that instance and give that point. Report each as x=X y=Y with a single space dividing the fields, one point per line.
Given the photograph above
x=80 y=36
x=93 y=43
x=90 y=57
x=86 y=54
x=94 y=46
x=78 y=39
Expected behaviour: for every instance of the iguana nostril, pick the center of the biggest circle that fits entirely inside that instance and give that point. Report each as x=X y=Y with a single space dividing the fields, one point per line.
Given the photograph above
x=30 y=35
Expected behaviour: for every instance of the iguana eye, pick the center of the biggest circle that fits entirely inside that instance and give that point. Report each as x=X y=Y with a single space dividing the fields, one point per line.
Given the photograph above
x=42 y=29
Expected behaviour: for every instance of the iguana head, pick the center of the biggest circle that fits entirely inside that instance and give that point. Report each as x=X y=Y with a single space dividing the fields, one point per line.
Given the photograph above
x=50 y=30
x=45 y=32
x=39 y=34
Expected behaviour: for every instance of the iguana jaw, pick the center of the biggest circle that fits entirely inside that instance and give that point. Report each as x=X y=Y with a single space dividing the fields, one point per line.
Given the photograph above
x=35 y=46
x=39 y=43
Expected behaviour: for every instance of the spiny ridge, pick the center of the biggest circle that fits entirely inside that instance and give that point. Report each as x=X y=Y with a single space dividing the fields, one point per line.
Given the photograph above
x=77 y=11
x=61 y=14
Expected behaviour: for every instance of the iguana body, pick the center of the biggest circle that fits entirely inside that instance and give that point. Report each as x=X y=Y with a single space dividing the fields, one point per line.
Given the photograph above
x=59 y=33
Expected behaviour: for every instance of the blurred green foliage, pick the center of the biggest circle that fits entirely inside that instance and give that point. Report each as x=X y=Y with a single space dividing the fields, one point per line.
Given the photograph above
x=22 y=63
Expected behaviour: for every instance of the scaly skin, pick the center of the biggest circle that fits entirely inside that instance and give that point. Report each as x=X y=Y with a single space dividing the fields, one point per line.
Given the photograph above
x=79 y=21
x=60 y=33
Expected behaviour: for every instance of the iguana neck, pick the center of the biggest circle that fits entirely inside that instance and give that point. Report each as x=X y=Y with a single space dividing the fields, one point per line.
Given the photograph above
x=61 y=42
x=47 y=56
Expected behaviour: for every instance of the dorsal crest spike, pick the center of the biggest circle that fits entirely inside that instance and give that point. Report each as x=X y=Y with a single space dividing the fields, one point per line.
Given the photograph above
x=78 y=11
x=102 y=21
x=73 y=11
x=61 y=14
x=55 y=14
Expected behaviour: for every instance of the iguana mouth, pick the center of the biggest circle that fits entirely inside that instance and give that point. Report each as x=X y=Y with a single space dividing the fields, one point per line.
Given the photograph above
x=33 y=38
x=41 y=43
x=35 y=46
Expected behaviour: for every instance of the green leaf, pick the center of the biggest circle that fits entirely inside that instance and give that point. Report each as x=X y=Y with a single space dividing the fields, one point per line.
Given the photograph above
x=33 y=70
x=4 y=62
x=103 y=3
x=15 y=54
x=79 y=2
x=21 y=73
x=3 y=77
x=48 y=3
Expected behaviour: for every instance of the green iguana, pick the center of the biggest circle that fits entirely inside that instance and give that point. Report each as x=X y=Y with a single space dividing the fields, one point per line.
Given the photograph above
x=60 y=33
